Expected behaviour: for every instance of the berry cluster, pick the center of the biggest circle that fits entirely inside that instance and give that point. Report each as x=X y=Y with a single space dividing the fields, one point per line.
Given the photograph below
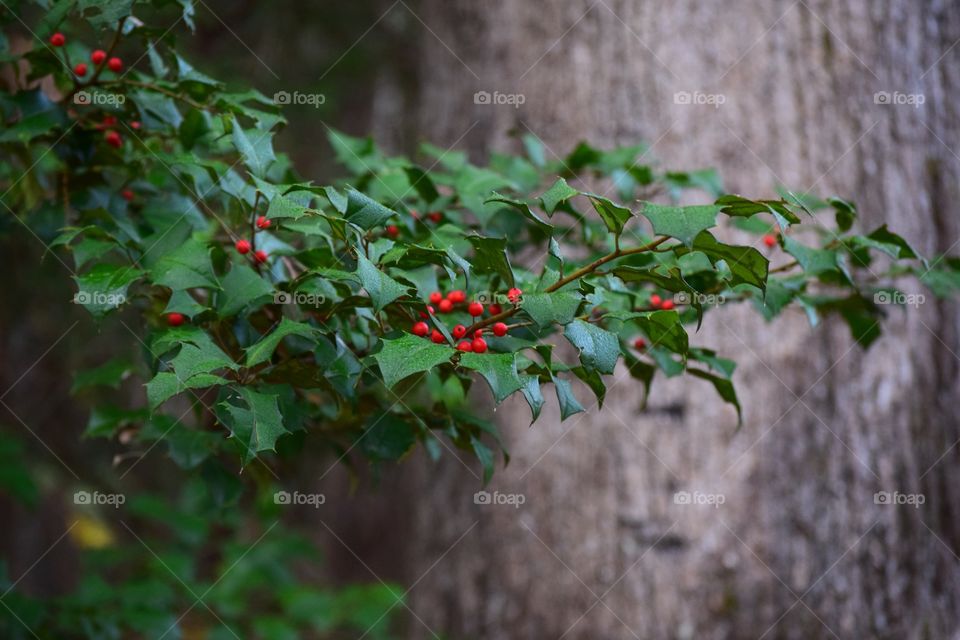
x=243 y=246
x=657 y=302
x=446 y=304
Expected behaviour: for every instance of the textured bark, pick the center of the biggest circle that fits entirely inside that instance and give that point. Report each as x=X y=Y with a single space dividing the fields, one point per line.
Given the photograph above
x=799 y=478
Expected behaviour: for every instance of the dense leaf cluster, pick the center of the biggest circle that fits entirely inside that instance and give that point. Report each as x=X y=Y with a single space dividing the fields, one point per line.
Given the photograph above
x=159 y=170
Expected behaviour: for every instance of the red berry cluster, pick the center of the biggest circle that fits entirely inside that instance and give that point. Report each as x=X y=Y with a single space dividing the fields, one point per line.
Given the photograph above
x=448 y=304
x=244 y=246
x=434 y=216
x=656 y=302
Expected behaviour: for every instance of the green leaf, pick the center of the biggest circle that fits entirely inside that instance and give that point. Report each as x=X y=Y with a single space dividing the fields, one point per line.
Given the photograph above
x=533 y=394
x=547 y=308
x=738 y=206
x=257 y=426
x=813 y=261
x=110 y=374
x=255 y=147
x=381 y=288
x=560 y=192
x=612 y=214
x=387 y=437
x=682 y=223
x=186 y=267
x=498 y=369
x=491 y=257
x=746 y=264
x=568 y=402
x=104 y=287
x=523 y=208
x=285 y=207
x=599 y=349
x=420 y=180
x=882 y=239
x=364 y=211
x=165 y=385
x=846 y=213
x=264 y=348
x=242 y=286
x=664 y=328
x=407 y=355
x=723 y=386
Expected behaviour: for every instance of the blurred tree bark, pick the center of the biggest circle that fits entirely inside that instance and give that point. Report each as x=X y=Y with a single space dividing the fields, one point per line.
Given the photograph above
x=799 y=549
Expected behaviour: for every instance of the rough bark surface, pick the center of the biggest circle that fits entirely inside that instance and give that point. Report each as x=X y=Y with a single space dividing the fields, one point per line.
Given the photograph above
x=798 y=549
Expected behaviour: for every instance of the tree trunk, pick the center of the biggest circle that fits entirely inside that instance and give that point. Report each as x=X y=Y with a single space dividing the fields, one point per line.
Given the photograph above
x=799 y=549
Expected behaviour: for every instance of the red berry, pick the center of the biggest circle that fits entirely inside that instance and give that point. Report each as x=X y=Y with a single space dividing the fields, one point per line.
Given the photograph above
x=466 y=345
x=80 y=69
x=58 y=39
x=479 y=345
x=437 y=337
x=436 y=297
x=457 y=296
x=425 y=314
x=667 y=305
x=475 y=309
x=260 y=256
x=769 y=239
x=109 y=120
x=98 y=56
x=639 y=344
x=115 y=64
x=243 y=246
x=414 y=214
x=495 y=309
x=393 y=231
x=655 y=300
x=421 y=329
x=175 y=319
x=445 y=306
x=459 y=331
x=499 y=329
x=435 y=216
x=263 y=222
x=113 y=139
x=514 y=295
x=127 y=194
x=134 y=124
x=478 y=333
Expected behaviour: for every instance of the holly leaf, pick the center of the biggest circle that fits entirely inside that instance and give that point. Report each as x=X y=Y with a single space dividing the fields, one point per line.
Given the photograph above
x=381 y=288
x=364 y=211
x=264 y=348
x=599 y=349
x=255 y=147
x=407 y=355
x=612 y=214
x=682 y=223
x=568 y=402
x=285 y=207
x=257 y=426
x=242 y=286
x=104 y=287
x=560 y=192
x=723 y=386
x=746 y=264
x=664 y=328
x=547 y=308
x=186 y=267
x=738 y=206
x=533 y=395
x=498 y=369
x=491 y=257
